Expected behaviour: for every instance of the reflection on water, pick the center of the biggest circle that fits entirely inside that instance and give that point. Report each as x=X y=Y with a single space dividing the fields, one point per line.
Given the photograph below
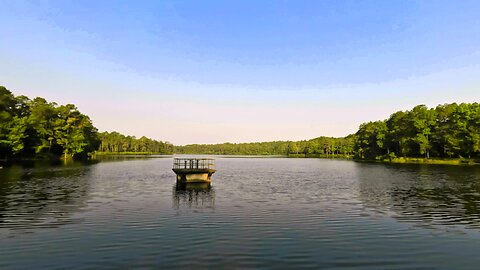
x=259 y=213
x=193 y=195
x=111 y=158
x=41 y=194
x=429 y=195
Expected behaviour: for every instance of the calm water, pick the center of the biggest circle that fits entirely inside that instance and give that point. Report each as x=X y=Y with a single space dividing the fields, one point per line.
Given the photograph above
x=258 y=213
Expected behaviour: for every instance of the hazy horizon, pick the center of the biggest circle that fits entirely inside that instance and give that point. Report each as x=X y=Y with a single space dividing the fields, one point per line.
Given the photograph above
x=247 y=71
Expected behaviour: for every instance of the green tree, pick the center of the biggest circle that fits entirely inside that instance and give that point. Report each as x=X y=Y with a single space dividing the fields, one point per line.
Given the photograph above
x=423 y=123
x=72 y=131
x=293 y=148
x=17 y=135
x=370 y=140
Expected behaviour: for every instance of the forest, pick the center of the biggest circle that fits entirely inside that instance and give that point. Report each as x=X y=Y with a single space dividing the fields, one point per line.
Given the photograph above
x=318 y=147
x=36 y=128
x=115 y=142
x=40 y=129
x=446 y=131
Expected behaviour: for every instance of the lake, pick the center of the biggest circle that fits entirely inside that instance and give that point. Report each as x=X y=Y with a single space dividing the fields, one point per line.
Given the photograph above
x=258 y=213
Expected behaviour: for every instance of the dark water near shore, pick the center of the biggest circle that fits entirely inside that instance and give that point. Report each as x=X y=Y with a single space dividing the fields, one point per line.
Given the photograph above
x=258 y=213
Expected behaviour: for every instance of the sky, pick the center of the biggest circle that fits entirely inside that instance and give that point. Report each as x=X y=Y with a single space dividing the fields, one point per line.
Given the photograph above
x=240 y=71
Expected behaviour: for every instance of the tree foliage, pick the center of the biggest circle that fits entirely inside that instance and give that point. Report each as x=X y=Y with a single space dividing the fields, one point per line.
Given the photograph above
x=115 y=142
x=447 y=131
x=321 y=146
x=37 y=128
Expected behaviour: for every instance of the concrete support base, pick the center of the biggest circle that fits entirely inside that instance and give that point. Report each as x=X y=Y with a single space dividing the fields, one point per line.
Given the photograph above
x=194 y=178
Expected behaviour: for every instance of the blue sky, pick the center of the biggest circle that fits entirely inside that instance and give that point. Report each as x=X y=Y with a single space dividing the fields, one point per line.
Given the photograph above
x=240 y=71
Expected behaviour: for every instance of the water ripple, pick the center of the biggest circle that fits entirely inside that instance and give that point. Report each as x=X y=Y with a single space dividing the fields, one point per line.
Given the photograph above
x=259 y=213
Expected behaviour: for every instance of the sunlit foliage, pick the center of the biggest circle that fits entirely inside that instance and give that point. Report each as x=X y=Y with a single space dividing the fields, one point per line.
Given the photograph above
x=115 y=142
x=37 y=128
x=447 y=131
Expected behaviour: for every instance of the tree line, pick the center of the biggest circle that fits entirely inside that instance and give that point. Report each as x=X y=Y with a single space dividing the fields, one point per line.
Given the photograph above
x=446 y=131
x=318 y=147
x=114 y=142
x=38 y=128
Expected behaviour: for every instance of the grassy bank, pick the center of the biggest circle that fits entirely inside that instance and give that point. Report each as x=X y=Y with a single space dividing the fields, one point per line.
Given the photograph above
x=444 y=161
x=319 y=156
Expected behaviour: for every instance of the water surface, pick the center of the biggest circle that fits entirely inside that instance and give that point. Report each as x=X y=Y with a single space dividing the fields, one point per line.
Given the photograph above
x=258 y=213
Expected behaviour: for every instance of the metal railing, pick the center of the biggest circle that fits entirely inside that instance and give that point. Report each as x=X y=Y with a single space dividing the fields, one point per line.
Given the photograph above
x=193 y=163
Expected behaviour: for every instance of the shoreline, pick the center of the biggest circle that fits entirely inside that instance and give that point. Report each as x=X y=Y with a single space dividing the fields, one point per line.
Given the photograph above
x=401 y=160
x=437 y=161
x=398 y=160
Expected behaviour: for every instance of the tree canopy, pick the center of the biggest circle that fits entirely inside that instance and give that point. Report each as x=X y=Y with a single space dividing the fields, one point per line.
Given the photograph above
x=321 y=146
x=115 y=142
x=447 y=131
x=37 y=128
